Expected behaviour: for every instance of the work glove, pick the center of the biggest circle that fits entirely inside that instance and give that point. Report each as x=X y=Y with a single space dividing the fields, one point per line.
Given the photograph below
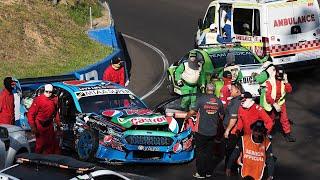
x=277 y=107
x=180 y=83
x=285 y=78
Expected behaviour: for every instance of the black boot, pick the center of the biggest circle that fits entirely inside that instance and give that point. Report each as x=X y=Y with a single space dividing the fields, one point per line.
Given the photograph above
x=289 y=137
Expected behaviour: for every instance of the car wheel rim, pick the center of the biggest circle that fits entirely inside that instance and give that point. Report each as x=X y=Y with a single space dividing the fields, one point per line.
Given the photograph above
x=85 y=145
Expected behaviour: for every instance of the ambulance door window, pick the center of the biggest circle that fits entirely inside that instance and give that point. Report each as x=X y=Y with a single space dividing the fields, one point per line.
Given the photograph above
x=209 y=17
x=242 y=21
x=256 y=23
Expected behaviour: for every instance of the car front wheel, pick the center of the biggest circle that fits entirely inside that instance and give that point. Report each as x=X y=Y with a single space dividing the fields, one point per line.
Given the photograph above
x=86 y=145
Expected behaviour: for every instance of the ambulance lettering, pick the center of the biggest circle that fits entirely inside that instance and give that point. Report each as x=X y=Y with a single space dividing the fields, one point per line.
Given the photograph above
x=294 y=21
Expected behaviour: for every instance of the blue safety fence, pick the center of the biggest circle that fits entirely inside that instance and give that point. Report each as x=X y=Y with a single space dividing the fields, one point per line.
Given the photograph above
x=107 y=36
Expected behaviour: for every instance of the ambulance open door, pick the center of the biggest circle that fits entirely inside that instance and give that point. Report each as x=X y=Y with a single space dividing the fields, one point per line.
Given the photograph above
x=247 y=28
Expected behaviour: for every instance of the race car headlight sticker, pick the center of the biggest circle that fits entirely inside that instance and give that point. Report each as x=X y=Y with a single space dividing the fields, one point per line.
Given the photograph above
x=107 y=139
x=177 y=147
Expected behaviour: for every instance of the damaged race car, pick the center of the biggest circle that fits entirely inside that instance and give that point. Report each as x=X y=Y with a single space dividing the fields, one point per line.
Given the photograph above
x=107 y=122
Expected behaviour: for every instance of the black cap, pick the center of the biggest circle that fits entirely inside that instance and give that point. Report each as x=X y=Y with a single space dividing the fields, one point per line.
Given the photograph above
x=116 y=61
x=246 y=95
x=7 y=83
x=258 y=126
x=227 y=74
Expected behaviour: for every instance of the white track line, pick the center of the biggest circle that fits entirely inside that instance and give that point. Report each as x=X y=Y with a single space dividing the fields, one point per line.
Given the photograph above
x=164 y=60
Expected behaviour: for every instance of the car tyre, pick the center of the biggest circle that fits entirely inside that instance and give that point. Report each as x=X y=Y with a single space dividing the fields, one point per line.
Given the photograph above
x=86 y=145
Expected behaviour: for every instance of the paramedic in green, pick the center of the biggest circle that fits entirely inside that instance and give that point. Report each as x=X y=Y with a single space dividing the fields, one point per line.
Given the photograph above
x=188 y=75
x=267 y=70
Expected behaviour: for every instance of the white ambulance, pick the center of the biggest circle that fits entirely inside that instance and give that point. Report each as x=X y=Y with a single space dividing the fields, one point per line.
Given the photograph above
x=288 y=31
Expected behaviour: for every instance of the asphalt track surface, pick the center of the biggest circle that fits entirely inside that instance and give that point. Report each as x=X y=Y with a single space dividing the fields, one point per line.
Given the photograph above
x=170 y=25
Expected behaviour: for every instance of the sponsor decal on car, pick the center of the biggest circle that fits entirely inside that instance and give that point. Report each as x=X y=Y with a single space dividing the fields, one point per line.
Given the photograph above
x=97 y=92
x=148 y=120
x=148 y=148
x=143 y=120
x=112 y=113
x=138 y=112
x=187 y=144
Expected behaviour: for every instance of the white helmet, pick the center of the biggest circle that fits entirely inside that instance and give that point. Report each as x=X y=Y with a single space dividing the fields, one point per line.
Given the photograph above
x=213 y=27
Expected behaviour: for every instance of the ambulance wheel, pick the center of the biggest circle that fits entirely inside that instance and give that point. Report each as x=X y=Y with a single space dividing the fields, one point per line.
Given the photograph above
x=86 y=145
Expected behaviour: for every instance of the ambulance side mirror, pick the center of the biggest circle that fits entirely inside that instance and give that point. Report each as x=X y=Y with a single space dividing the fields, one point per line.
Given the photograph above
x=200 y=24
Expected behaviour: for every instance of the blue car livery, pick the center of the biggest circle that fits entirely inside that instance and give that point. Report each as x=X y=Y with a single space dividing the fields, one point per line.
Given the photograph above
x=105 y=121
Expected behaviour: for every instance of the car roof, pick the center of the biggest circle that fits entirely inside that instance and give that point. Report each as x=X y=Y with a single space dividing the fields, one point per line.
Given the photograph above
x=80 y=85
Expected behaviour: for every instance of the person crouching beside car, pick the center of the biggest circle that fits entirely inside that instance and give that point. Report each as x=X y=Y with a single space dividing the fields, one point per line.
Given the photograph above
x=7 y=101
x=41 y=115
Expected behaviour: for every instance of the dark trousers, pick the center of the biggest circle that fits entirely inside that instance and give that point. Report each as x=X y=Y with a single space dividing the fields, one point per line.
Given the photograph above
x=231 y=143
x=204 y=154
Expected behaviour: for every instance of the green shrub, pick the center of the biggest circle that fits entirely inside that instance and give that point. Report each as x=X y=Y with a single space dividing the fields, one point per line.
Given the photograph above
x=80 y=13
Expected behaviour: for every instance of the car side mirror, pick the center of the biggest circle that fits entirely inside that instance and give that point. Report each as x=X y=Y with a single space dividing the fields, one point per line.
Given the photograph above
x=200 y=23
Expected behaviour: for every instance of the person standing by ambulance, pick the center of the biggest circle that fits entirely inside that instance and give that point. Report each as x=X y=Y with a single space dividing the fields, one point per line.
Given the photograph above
x=7 y=101
x=232 y=67
x=276 y=90
x=249 y=112
x=254 y=152
x=225 y=94
x=188 y=76
x=210 y=112
x=41 y=115
x=230 y=121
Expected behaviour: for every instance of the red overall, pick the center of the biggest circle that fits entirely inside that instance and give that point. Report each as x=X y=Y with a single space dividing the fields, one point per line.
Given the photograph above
x=248 y=116
x=284 y=120
x=116 y=76
x=6 y=107
x=41 y=114
x=225 y=93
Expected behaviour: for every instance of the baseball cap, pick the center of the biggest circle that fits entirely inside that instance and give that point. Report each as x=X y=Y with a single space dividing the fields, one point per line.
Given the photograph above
x=258 y=126
x=246 y=95
x=212 y=27
x=48 y=87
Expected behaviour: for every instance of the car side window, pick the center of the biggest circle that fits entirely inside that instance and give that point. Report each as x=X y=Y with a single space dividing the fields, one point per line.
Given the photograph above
x=66 y=106
x=210 y=16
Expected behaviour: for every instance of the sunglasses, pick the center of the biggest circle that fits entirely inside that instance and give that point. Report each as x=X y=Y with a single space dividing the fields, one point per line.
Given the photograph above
x=48 y=91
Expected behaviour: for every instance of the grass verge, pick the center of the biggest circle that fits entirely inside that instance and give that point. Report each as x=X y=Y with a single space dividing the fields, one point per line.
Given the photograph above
x=38 y=39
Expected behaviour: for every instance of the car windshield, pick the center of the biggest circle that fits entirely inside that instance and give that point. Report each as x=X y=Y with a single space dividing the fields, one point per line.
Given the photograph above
x=100 y=103
x=218 y=59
